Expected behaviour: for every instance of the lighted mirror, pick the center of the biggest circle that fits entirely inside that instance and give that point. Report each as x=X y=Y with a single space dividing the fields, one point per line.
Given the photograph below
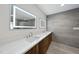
x=42 y=23
x=21 y=18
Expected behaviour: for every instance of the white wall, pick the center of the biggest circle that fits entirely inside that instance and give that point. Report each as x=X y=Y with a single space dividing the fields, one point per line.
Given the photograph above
x=6 y=34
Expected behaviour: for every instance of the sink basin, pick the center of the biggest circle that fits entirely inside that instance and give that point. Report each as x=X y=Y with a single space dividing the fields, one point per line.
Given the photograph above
x=33 y=39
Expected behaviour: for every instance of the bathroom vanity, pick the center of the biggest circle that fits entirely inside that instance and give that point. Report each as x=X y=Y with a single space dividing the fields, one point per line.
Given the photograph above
x=42 y=46
x=38 y=44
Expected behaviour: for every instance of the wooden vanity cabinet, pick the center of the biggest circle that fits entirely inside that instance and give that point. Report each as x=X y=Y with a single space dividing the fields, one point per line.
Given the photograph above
x=33 y=50
x=41 y=47
x=44 y=44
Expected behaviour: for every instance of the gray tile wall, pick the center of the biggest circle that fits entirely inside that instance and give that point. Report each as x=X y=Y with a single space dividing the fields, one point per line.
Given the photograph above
x=62 y=25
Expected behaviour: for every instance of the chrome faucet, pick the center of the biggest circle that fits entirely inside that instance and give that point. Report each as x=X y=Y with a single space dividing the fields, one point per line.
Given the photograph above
x=29 y=35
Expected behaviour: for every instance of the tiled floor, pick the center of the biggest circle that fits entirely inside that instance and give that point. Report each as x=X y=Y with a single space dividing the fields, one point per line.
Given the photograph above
x=58 y=48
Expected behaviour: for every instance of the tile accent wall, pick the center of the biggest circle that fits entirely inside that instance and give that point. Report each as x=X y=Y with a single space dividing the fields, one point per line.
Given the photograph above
x=62 y=25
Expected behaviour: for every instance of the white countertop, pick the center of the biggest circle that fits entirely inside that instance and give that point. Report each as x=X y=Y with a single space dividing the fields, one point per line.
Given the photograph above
x=22 y=45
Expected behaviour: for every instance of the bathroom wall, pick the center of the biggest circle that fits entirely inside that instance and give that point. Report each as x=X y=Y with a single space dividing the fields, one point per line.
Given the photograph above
x=62 y=25
x=8 y=35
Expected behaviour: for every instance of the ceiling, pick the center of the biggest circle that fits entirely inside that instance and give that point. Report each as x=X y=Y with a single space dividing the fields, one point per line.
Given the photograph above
x=49 y=9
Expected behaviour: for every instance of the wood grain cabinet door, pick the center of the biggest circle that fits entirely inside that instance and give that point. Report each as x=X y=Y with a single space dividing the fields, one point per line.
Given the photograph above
x=44 y=44
x=33 y=50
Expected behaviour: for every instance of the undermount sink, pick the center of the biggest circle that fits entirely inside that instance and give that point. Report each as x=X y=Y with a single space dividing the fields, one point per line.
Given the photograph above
x=33 y=39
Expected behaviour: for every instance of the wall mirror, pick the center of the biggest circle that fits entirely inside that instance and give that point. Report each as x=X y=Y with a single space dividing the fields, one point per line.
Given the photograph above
x=42 y=23
x=21 y=18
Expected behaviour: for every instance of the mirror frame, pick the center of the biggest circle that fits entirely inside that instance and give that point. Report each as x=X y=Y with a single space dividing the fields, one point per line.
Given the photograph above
x=13 y=25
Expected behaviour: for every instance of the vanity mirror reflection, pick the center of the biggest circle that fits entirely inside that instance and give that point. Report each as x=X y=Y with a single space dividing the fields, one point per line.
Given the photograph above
x=21 y=18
